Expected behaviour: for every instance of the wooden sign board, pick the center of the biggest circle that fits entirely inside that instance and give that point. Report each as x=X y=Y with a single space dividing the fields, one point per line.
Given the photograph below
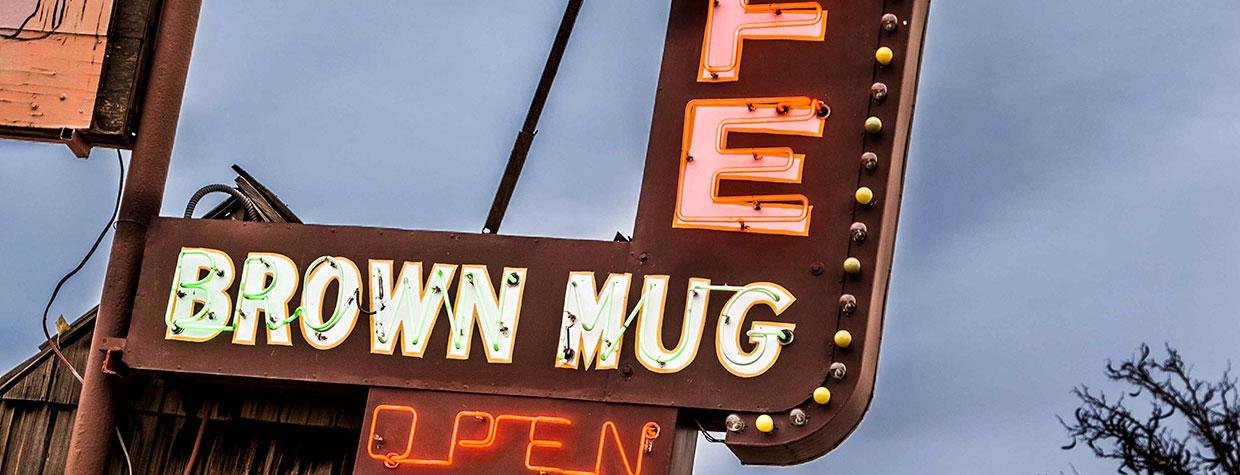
x=71 y=70
x=751 y=296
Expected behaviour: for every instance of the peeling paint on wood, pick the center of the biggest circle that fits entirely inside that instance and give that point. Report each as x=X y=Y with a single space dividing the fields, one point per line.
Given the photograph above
x=51 y=61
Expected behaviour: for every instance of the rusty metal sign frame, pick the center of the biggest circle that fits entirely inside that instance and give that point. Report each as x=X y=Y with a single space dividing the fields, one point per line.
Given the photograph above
x=840 y=74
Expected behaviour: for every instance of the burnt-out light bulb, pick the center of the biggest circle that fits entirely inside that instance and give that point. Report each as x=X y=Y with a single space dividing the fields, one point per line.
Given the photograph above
x=852 y=266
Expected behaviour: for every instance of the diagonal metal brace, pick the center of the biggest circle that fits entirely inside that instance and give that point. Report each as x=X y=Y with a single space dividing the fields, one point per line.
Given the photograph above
x=525 y=138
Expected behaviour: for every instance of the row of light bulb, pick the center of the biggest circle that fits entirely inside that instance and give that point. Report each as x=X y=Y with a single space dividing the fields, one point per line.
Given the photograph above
x=864 y=196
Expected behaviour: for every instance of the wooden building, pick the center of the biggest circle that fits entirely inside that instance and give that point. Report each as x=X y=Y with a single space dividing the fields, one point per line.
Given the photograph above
x=182 y=423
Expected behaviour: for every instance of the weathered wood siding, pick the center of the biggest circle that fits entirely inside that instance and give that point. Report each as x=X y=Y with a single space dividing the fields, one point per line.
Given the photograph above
x=249 y=429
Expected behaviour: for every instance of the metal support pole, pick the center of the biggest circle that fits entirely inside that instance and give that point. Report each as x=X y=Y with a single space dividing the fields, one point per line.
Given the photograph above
x=525 y=138
x=102 y=395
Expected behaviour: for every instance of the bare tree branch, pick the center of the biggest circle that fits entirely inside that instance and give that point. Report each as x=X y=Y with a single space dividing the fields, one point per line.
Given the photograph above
x=1209 y=410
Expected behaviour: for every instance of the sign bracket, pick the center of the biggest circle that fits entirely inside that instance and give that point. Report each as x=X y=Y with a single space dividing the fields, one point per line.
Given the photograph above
x=525 y=138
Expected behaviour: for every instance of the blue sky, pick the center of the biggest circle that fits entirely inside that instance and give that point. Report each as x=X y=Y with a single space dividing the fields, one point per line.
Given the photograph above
x=1070 y=189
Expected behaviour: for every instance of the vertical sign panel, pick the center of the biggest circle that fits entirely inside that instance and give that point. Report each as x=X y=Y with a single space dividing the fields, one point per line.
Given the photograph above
x=783 y=127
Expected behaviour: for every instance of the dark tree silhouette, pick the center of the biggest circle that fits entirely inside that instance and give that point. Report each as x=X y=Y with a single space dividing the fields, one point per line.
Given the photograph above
x=1209 y=411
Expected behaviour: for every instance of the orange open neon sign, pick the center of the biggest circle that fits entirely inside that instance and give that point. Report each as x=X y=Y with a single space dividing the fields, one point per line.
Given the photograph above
x=649 y=432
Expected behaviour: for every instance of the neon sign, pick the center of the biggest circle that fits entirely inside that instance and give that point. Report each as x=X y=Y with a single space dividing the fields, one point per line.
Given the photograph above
x=707 y=159
x=549 y=438
x=750 y=295
x=650 y=432
x=199 y=308
x=730 y=22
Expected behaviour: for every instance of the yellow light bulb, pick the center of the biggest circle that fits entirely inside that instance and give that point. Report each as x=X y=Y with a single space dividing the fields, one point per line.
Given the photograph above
x=822 y=395
x=884 y=56
x=764 y=424
x=874 y=125
x=852 y=265
x=843 y=339
x=864 y=195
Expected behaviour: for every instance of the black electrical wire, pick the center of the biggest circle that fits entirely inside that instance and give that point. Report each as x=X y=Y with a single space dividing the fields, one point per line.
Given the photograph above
x=53 y=344
x=357 y=295
x=94 y=247
x=706 y=434
x=58 y=17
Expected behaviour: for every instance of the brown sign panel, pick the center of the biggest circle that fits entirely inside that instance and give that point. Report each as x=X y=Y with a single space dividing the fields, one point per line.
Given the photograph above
x=752 y=290
x=429 y=432
x=71 y=70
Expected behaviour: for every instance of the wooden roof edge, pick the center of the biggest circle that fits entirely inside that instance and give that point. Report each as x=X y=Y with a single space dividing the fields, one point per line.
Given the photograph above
x=83 y=326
